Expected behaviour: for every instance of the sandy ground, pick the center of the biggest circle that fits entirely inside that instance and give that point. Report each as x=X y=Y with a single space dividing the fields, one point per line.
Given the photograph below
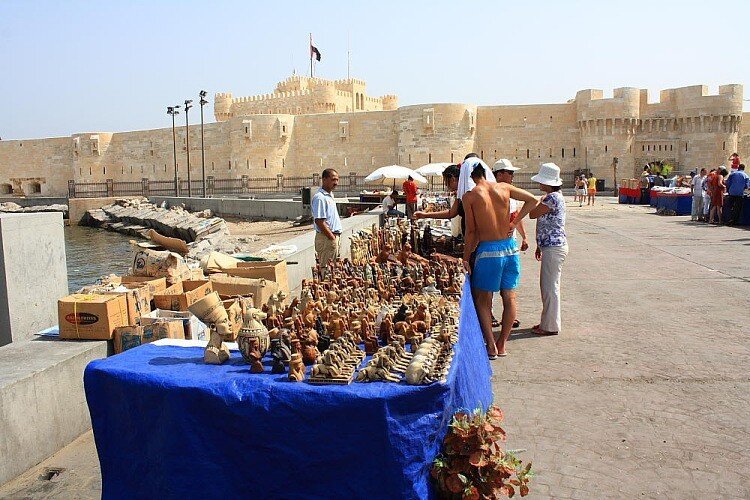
x=251 y=236
x=643 y=394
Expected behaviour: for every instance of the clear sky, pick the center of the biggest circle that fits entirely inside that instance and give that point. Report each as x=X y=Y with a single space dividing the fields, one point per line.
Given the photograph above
x=75 y=66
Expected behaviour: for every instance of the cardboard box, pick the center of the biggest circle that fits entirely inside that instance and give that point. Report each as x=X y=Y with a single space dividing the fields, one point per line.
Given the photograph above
x=91 y=316
x=155 y=285
x=192 y=327
x=232 y=286
x=128 y=337
x=180 y=296
x=273 y=270
x=138 y=300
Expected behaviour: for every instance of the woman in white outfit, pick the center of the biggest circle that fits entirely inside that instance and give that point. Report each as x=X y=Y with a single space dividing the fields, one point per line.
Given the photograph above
x=552 y=246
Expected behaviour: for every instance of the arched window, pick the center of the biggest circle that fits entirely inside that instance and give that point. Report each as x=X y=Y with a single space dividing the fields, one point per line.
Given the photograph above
x=35 y=188
x=6 y=189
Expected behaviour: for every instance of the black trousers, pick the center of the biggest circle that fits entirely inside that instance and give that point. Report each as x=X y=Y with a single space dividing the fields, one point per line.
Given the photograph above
x=736 y=207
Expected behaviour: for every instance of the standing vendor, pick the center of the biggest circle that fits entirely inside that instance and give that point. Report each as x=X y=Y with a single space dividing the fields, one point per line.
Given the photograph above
x=327 y=221
x=410 y=191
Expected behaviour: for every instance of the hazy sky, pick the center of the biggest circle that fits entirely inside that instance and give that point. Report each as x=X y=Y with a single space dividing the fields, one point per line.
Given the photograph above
x=75 y=66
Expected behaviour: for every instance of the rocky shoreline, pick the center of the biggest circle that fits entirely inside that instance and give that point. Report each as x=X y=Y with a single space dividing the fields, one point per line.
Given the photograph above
x=202 y=231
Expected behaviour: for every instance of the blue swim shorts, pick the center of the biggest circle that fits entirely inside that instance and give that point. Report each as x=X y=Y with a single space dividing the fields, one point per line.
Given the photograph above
x=497 y=266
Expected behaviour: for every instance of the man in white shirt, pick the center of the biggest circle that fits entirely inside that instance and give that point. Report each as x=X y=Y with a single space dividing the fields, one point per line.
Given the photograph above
x=327 y=221
x=697 y=185
x=389 y=207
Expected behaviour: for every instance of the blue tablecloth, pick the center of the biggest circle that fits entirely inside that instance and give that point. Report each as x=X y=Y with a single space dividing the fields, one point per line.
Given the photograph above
x=168 y=426
x=744 y=211
x=681 y=204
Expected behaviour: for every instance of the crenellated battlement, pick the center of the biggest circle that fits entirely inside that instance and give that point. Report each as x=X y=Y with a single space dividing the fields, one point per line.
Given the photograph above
x=309 y=123
x=302 y=95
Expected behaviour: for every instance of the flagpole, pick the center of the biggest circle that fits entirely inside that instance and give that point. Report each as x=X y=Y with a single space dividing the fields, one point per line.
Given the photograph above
x=311 y=57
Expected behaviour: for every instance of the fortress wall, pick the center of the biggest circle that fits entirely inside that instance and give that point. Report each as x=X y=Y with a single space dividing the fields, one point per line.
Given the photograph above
x=707 y=148
x=293 y=103
x=257 y=146
x=529 y=135
x=43 y=161
x=687 y=128
x=435 y=133
x=370 y=142
x=131 y=156
x=743 y=143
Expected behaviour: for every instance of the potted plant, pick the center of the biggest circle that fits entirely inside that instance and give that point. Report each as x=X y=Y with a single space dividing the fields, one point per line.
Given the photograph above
x=473 y=463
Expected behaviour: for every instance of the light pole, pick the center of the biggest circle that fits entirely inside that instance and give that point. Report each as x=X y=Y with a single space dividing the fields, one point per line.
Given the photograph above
x=203 y=101
x=172 y=110
x=188 y=105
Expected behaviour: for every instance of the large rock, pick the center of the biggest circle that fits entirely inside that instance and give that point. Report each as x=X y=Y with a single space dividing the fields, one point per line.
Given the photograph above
x=135 y=217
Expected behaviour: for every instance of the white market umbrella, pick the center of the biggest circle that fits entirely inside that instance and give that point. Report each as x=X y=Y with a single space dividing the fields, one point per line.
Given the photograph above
x=432 y=169
x=390 y=174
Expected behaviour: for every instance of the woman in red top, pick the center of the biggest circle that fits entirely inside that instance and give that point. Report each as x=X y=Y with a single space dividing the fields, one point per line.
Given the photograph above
x=718 y=187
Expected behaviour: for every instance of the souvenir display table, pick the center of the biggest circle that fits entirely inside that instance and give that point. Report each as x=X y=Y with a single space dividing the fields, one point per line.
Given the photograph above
x=167 y=425
x=744 y=211
x=681 y=204
x=630 y=196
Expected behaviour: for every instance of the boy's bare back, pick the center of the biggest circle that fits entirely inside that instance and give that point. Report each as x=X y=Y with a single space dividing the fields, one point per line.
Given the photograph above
x=489 y=205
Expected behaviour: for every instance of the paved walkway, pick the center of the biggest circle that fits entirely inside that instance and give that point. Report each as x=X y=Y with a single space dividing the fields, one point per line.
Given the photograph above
x=645 y=393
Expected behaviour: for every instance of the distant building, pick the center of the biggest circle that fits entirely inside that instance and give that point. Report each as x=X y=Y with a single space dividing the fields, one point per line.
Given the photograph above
x=308 y=124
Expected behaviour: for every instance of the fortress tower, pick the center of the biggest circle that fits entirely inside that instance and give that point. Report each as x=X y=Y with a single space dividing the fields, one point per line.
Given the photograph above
x=299 y=95
x=607 y=128
x=308 y=124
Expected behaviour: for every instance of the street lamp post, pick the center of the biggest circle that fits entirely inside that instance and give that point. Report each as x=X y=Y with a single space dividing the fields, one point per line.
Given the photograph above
x=188 y=105
x=172 y=110
x=203 y=101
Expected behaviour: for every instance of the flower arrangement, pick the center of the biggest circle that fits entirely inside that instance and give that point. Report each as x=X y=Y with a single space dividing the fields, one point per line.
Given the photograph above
x=473 y=463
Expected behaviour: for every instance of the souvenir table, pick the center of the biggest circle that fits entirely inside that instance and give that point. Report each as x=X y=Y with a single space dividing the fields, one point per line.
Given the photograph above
x=630 y=196
x=744 y=211
x=166 y=425
x=681 y=203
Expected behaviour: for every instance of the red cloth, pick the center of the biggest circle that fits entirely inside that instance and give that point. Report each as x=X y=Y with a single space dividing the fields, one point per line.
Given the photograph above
x=410 y=190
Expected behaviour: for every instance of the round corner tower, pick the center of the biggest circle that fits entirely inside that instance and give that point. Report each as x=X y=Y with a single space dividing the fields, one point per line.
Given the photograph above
x=223 y=106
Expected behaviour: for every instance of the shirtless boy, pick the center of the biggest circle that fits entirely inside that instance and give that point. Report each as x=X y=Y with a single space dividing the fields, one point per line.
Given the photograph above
x=495 y=265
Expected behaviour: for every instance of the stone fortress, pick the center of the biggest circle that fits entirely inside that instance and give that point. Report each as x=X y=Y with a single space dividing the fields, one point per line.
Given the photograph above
x=308 y=124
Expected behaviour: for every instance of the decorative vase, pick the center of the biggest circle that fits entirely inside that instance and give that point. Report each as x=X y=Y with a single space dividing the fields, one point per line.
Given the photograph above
x=253 y=329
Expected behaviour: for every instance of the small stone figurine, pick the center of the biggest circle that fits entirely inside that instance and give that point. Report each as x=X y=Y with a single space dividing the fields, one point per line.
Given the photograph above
x=279 y=356
x=296 y=368
x=255 y=355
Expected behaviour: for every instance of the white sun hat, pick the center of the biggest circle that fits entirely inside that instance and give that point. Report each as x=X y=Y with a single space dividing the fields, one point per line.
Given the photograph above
x=504 y=164
x=549 y=175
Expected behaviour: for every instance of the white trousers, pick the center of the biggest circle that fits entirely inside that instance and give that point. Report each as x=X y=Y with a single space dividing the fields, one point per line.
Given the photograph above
x=549 y=282
x=697 y=207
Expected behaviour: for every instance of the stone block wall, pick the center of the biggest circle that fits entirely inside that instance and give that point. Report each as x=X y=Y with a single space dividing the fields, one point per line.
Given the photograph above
x=687 y=128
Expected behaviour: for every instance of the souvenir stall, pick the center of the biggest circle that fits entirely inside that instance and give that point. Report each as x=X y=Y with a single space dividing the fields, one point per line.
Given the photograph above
x=674 y=201
x=343 y=392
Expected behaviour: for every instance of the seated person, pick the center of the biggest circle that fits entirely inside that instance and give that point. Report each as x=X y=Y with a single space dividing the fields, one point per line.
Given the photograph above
x=389 y=207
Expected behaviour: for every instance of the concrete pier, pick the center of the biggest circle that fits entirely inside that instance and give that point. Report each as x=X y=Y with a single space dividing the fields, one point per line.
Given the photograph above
x=33 y=274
